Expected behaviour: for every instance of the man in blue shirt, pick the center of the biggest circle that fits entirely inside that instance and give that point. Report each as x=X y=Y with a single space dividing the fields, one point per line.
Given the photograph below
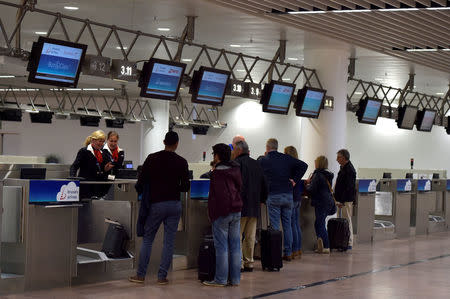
x=282 y=172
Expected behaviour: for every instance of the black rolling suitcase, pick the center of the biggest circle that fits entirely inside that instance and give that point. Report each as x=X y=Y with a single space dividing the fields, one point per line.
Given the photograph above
x=115 y=243
x=207 y=260
x=338 y=233
x=271 y=248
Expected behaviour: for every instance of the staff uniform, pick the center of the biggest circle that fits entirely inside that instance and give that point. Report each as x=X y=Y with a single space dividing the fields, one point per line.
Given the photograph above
x=116 y=157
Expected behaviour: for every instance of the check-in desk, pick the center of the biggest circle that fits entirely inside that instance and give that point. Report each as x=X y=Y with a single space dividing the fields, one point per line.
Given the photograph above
x=439 y=218
x=38 y=234
x=393 y=203
x=423 y=201
x=365 y=209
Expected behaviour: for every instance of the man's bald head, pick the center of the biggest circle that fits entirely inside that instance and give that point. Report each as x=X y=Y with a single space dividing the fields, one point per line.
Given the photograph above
x=237 y=138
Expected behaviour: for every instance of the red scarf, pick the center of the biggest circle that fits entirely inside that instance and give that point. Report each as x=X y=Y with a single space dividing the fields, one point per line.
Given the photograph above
x=98 y=155
x=115 y=154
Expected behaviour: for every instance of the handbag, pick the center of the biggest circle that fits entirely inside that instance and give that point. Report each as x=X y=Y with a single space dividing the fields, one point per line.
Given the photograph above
x=333 y=208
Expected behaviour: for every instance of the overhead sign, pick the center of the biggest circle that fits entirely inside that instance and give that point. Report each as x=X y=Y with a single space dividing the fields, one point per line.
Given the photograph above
x=97 y=66
x=253 y=91
x=124 y=70
x=52 y=191
x=235 y=88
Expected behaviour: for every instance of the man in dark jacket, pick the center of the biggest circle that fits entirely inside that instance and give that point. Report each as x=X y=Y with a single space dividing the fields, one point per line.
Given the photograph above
x=165 y=174
x=344 y=190
x=281 y=171
x=224 y=211
x=253 y=193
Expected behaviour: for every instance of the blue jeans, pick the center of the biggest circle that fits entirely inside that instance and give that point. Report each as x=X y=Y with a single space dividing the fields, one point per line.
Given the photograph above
x=319 y=226
x=296 y=230
x=226 y=232
x=169 y=213
x=280 y=205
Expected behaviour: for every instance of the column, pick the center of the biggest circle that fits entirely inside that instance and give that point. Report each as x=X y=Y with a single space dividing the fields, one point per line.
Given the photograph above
x=327 y=134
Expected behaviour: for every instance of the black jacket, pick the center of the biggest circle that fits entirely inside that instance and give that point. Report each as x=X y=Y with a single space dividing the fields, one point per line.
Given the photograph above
x=254 y=186
x=87 y=163
x=345 y=189
x=107 y=157
x=319 y=191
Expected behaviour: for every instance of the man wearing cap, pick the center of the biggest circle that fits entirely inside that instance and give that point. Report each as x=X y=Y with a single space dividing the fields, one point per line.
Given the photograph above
x=165 y=174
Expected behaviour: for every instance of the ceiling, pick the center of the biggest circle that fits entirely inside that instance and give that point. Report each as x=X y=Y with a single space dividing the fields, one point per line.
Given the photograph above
x=253 y=26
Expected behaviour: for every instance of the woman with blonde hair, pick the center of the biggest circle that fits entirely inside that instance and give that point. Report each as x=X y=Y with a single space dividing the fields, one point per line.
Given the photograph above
x=319 y=188
x=91 y=165
x=295 y=218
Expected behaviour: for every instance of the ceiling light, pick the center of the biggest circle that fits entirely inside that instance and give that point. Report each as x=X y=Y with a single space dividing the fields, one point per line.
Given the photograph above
x=292 y=58
x=398 y=9
x=353 y=10
x=6 y=76
x=91 y=89
x=421 y=50
x=439 y=93
x=286 y=79
x=41 y=32
x=240 y=70
x=446 y=49
x=106 y=89
x=118 y=48
x=186 y=59
x=73 y=89
x=305 y=12
x=31 y=111
x=379 y=79
x=235 y=46
x=437 y=8
x=71 y=7
x=358 y=92
x=163 y=29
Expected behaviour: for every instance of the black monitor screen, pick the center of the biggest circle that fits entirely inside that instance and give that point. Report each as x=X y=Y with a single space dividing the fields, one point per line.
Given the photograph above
x=56 y=62
x=208 y=86
x=309 y=102
x=368 y=112
x=426 y=120
x=32 y=173
x=128 y=164
x=406 y=117
x=162 y=79
x=277 y=96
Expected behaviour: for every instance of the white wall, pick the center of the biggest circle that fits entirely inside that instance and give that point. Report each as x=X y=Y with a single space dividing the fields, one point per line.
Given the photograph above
x=244 y=117
x=63 y=138
x=386 y=146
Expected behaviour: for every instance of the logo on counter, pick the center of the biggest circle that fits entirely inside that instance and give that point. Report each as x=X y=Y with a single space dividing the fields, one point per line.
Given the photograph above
x=423 y=185
x=69 y=192
x=404 y=185
x=366 y=186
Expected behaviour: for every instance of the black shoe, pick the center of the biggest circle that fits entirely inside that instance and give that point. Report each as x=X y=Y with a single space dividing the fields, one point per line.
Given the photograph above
x=246 y=269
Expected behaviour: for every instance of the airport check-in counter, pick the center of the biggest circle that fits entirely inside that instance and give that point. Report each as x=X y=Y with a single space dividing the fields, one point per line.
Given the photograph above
x=438 y=218
x=38 y=234
x=446 y=207
x=393 y=204
x=365 y=209
x=423 y=201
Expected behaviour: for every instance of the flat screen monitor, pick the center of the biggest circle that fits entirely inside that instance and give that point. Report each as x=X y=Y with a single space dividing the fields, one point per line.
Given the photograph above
x=55 y=62
x=32 y=173
x=425 y=120
x=309 y=102
x=406 y=117
x=208 y=86
x=276 y=97
x=128 y=164
x=161 y=79
x=369 y=110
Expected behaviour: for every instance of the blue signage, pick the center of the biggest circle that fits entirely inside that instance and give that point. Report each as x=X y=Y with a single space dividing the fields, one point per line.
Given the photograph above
x=448 y=185
x=212 y=86
x=367 y=186
x=46 y=191
x=404 y=185
x=423 y=185
x=199 y=189
x=280 y=97
x=164 y=79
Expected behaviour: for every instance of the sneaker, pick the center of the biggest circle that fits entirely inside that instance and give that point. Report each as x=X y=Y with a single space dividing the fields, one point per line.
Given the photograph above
x=162 y=281
x=212 y=283
x=137 y=279
x=319 y=245
x=326 y=251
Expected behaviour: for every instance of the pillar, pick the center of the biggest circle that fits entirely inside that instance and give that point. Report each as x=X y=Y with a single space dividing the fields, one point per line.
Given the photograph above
x=153 y=132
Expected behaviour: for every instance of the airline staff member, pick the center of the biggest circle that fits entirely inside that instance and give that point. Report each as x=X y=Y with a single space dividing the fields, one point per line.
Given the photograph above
x=113 y=153
x=91 y=165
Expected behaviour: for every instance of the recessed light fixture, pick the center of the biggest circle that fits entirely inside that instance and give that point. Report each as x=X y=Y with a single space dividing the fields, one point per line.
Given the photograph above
x=446 y=49
x=6 y=76
x=235 y=46
x=439 y=93
x=240 y=70
x=286 y=79
x=41 y=32
x=398 y=9
x=163 y=29
x=292 y=58
x=71 y=7
x=306 y=12
x=353 y=10
x=358 y=92
x=106 y=89
x=437 y=8
x=73 y=89
x=421 y=50
x=90 y=89
x=186 y=59
x=118 y=48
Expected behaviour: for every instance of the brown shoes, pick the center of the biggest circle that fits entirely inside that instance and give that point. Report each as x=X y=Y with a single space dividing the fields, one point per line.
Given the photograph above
x=137 y=279
x=287 y=258
x=162 y=281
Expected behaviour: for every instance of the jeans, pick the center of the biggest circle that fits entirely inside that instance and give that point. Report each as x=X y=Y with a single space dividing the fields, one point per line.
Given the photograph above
x=319 y=226
x=226 y=232
x=296 y=230
x=280 y=205
x=169 y=213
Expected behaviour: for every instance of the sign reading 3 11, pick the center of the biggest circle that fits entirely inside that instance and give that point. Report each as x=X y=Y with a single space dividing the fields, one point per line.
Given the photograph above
x=124 y=70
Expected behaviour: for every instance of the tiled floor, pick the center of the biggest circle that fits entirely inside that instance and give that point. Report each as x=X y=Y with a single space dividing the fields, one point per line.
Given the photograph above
x=426 y=277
